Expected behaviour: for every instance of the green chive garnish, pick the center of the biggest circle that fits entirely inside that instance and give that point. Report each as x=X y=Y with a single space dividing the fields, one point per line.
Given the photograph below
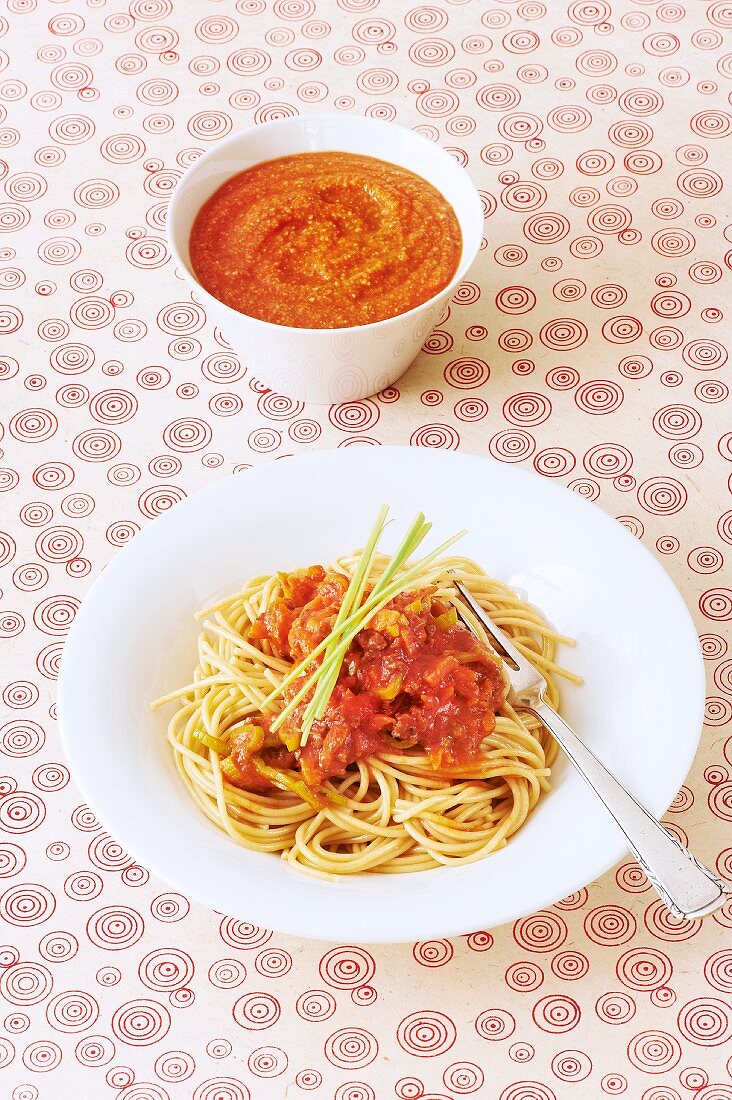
x=353 y=616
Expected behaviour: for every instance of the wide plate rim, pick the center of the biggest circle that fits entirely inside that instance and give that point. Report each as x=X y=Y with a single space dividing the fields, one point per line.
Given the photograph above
x=340 y=929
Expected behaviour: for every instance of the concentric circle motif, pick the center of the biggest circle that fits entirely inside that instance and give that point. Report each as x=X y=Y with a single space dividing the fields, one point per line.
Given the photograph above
x=58 y=946
x=677 y=422
x=495 y=1024
x=515 y=300
x=187 y=435
x=570 y=966
x=21 y=738
x=140 y=1022
x=441 y=436
x=466 y=373
x=654 y=1051
x=347 y=967
x=426 y=1034
x=227 y=973
x=354 y=416
x=563 y=333
x=463 y=1078
x=597 y=137
x=644 y=969
x=662 y=496
x=543 y=932
x=556 y=1013
x=25 y=983
x=273 y=962
x=524 y=977
x=433 y=953
x=610 y=925
x=174 y=1066
x=106 y=854
x=42 y=1056
x=21 y=812
x=115 y=928
x=665 y=926
x=309 y=1079
x=243 y=936
x=706 y=1022
x=527 y=409
x=166 y=969
x=512 y=445
x=256 y=1011
x=571 y=1066
x=615 y=1008
x=599 y=397
x=95 y=1050
x=315 y=1004
x=267 y=1062
x=222 y=1088
x=83 y=886
x=72 y=1011
x=351 y=1048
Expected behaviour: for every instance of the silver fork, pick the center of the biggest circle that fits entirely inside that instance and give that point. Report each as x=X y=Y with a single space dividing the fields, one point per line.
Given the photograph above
x=688 y=889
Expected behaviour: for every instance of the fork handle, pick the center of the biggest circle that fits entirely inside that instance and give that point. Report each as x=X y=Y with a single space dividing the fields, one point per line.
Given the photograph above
x=688 y=889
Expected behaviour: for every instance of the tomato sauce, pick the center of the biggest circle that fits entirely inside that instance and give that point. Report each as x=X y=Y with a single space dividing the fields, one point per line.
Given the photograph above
x=415 y=677
x=325 y=240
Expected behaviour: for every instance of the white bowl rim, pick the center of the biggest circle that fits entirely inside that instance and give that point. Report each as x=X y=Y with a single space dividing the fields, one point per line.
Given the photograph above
x=466 y=260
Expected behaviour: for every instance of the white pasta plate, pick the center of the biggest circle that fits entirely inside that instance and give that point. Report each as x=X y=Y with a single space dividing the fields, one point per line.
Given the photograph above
x=134 y=639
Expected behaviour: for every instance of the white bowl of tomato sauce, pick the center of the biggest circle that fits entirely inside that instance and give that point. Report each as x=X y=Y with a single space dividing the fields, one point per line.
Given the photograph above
x=326 y=248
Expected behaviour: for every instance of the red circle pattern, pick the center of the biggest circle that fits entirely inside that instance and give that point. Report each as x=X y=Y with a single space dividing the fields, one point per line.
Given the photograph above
x=587 y=344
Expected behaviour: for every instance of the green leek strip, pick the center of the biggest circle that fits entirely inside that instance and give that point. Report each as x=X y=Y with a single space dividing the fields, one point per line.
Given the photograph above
x=229 y=770
x=413 y=537
x=410 y=542
x=212 y=742
x=360 y=620
x=296 y=672
x=362 y=572
x=369 y=609
x=288 y=781
x=316 y=708
x=448 y=619
x=359 y=580
x=356 y=590
x=379 y=599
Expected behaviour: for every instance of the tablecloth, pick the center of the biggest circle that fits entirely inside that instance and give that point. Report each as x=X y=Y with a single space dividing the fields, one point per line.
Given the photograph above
x=587 y=344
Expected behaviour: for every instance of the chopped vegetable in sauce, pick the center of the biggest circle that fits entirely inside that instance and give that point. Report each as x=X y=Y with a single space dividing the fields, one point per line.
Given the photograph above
x=413 y=678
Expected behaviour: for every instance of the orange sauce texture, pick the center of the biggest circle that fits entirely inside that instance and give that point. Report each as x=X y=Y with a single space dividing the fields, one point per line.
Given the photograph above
x=408 y=679
x=325 y=240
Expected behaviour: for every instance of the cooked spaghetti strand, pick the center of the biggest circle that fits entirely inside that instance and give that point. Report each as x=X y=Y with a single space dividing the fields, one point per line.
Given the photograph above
x=391 y=812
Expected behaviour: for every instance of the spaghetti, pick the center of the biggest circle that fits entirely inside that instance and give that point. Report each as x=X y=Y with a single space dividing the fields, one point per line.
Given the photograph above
x=394 y=810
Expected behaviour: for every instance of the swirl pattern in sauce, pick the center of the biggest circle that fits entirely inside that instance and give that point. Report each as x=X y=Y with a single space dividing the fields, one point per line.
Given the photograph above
x=325 y=240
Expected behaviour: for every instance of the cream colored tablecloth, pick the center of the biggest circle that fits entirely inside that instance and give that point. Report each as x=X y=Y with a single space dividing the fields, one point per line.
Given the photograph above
x=587 y=345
